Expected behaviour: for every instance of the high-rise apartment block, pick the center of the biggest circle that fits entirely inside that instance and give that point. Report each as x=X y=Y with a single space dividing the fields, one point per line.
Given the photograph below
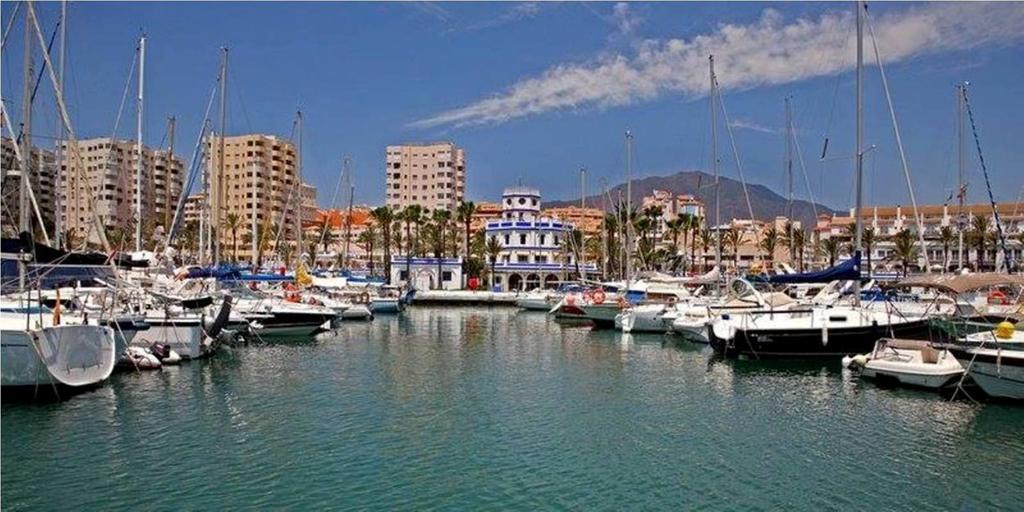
x=432 y=175
x=43 y=169
x=260 y=177
x=105 y=184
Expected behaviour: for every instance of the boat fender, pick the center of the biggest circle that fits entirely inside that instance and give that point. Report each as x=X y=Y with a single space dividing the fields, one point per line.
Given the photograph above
x=220 y=321
x=846 y=361
x=824 y=335
x=1004 y=330
x=599 y=297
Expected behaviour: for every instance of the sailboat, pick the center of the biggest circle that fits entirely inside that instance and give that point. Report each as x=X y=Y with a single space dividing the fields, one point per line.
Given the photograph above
x=821 y=330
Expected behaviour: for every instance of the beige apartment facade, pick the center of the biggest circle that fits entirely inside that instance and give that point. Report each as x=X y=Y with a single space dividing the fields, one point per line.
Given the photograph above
x=432 y=175
x=43 y=168
x=260 y=178
x=106 y=185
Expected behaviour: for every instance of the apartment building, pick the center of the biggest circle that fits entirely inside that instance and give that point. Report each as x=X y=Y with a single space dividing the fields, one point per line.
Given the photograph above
x=587 y=220
x=43 y=167
x=887 y=221
x=432 y=175
x=106 y=184
x=261 y=178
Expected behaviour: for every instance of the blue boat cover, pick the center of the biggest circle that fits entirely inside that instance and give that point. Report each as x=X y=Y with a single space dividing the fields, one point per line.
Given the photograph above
x=845 y=271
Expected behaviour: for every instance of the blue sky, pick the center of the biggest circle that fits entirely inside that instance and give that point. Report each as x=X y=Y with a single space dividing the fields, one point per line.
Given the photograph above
x=535 y=91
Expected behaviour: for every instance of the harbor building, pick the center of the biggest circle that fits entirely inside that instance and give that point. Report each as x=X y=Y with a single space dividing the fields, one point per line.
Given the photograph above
x=943 y=250
x=748 y=252
x=672 y=207
x=432 y=175
x=424 y=272
x=106 y=185
x=43 y=168
x=535 y=249
x=261 y=177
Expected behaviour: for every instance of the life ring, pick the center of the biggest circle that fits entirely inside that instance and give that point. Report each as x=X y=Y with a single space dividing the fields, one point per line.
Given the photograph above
x=599 y=297
x=292 y=297
x=998 y=297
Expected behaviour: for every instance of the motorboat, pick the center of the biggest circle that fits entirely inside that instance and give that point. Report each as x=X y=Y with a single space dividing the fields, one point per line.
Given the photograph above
x=540 y=299
x=814 y=331
x=908 y=362
x=690 y=319
x=994 y=360
x=41 y=349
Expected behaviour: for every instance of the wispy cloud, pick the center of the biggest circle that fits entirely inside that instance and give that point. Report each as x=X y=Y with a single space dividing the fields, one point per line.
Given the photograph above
x=744 y=124
x=626 y=21
x=433 y=10
x=766 y=52
x=518 y=12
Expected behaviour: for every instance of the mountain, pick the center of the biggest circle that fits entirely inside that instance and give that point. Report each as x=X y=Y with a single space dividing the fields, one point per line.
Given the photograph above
x=765 y=202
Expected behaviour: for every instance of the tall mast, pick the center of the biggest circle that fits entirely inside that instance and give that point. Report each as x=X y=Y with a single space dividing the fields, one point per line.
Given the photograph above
x=961 y=190
x=859 y=154
x=58 y=222
x=171 y=124
x=218 y=204
x=583 y=206
x=297 y=186
x=348 y=214
x=604 y=229
x=252 y=213
x=789 y=173
x=629 y=207
x=26 y=140
x=714 y=165
x=138 y=142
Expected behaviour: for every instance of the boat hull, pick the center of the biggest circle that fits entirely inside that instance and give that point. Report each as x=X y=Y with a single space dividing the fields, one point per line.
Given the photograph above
x=810 y=343
x=999 y=373
x=298 y=323
x=64 y=356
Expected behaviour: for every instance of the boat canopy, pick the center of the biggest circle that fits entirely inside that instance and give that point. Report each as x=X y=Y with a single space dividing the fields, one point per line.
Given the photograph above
x=961 y=283
x=49 y=267
x=711 y=276
x=846 y=271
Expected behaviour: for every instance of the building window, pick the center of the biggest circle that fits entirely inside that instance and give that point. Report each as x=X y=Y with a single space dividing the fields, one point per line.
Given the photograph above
x=446 y=275
x=522 y=239
x=542 y=237
x=403 y=275
x=522 y=258
x=506 y=239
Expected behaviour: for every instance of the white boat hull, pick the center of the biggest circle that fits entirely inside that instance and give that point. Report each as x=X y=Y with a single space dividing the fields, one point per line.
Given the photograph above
x=66 y=355
x=644 y=318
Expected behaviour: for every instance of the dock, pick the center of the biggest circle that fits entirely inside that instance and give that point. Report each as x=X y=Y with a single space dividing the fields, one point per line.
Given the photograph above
x=465 y=297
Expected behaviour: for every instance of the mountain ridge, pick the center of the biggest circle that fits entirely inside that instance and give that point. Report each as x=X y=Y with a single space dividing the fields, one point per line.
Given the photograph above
x=766 y=203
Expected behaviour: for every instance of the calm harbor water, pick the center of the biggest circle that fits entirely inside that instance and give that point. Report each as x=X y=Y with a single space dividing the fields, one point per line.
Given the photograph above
x=479 y=408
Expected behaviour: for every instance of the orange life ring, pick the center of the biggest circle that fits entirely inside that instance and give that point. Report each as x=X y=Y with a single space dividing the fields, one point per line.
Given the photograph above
x=998 y=297
x=292 y=297
x=599 y=297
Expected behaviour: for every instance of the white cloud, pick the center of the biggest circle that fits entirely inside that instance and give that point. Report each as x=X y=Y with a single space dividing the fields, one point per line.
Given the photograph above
x=625 y=20
x=745 y=124
x=766 y=52
x=518 y=12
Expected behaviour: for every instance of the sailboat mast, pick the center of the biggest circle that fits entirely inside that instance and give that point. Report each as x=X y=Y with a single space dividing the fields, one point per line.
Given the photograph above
x=58 y=222
x=138 y=142
x=252 y=213
x=961 y=190
x=714 y=166
x=348 y=214
x=629 y=206
x=171 y=125
x=604 y=229
x=789 y=173
x=297 y=216
x=218 y=204
x=859 y=224
x=26 y=141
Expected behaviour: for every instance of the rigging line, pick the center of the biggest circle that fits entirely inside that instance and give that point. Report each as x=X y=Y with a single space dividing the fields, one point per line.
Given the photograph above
x=10 y=24
x=803 y=168
x=735 y=150
x=195 y=163
x=988 y=183
x=899 y=143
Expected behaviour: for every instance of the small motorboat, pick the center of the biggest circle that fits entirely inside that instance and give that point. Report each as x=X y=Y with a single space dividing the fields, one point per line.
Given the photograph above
x=909 y=362
x=994 y=360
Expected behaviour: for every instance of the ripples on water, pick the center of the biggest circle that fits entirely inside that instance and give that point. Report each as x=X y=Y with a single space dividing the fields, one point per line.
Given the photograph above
x=479 y=408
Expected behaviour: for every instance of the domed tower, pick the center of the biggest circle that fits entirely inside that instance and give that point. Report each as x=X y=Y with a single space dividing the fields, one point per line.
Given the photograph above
x=520 y=203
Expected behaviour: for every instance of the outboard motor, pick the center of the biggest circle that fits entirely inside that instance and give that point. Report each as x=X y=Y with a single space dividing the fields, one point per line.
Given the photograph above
x=212 y=329
x=160 y=350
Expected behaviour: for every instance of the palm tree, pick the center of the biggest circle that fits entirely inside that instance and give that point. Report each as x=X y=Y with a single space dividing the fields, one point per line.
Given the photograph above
x=831 y=247
x=464 y=214
x=384 y=216
x=411 y=214
x=493 y=249
x=867 y=237
x=733 y=238
x=798 y=242
x=769 y=241
x=644 y=246
x=233 y=222
x=706 y=241
x=367 y=239
x=946 y=237
x=574 y=243
x=904 y=249
x=674 y=228
x=440 y=218
x=979 y=237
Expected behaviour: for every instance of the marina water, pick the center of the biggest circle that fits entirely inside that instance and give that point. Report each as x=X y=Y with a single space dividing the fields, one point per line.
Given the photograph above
x=487 y=408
